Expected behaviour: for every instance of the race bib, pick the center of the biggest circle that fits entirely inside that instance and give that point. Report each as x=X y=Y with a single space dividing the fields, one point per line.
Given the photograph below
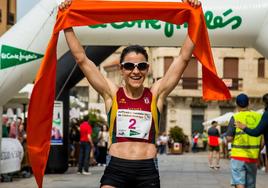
x=133 y=124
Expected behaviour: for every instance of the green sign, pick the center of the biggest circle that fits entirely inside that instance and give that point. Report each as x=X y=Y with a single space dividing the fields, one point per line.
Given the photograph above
x=132 y=133
x=213 y=22
x=220 y=22
x=11 y=56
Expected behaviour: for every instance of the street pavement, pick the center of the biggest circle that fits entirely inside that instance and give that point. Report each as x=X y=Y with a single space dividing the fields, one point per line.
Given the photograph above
x=189 y=170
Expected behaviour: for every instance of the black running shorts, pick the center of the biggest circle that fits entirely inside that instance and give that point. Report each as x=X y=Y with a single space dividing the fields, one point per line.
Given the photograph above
x=122 y=173
x=214 y=148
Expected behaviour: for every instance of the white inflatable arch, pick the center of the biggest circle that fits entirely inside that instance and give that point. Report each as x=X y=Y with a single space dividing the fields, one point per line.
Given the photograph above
x=231 y=23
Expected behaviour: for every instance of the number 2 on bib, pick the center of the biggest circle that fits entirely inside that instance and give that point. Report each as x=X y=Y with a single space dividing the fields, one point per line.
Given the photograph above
x=132 y=124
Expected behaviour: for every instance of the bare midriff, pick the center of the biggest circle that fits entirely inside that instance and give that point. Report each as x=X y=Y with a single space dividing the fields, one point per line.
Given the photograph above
x=133 y=150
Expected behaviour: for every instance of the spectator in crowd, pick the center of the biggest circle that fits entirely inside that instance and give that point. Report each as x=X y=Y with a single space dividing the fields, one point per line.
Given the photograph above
x=4 y=126
x=74 y=137
x=195 y=141
x=214 y=146
x=103 y=138
x=169 y=144
x=245 y=148
x=19 y=123
x=86 y=144
x=13 y=130
x=186 y=144
x=21 y=134
x=163 y=139
x=96 y=128
x=205 y=140
x=22 y=137
x=224 y=144
x=5 y=134
x=262 y=127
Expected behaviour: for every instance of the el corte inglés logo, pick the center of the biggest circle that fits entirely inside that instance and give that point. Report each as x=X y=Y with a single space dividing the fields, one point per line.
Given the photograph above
x=11 y=56
x=132 y=133
x=227 y=19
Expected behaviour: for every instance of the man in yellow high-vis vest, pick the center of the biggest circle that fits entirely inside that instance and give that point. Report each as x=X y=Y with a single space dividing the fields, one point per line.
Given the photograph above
x=245 y=148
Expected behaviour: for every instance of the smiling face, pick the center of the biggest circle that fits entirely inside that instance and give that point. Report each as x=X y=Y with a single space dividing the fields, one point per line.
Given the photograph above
x=134 y=78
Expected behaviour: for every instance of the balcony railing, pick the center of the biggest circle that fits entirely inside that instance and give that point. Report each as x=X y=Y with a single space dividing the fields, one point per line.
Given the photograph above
x=190 y=83
x=233 y=83
x=196 y=83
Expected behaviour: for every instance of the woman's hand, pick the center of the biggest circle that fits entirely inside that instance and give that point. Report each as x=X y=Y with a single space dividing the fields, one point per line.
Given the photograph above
x=65 y=5
x=193 y=3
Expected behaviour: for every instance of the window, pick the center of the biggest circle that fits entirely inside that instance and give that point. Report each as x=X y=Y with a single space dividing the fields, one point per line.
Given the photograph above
x=230 y=73
x=197 y=119
x=190 y=75
x=261 y=67
x=10 y=19
x=167 y=63
x=10 y=15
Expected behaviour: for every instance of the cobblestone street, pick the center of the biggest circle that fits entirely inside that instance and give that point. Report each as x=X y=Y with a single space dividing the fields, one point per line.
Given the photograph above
x=189 y=170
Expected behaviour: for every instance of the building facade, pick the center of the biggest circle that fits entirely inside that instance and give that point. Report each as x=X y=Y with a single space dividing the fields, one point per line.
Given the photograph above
x=7 y=15
x=242 y=70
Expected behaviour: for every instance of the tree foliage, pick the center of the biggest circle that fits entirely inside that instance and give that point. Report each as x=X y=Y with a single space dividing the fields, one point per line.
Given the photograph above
x=176 y=133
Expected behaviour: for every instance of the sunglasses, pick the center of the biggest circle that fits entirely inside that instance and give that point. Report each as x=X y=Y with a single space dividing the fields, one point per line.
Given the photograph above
x=131 y=66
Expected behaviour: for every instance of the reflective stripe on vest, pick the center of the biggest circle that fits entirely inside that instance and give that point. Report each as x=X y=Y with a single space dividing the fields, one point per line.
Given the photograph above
x=244 y=145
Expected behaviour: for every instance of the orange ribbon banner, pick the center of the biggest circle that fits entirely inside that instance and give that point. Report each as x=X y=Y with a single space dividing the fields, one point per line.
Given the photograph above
x=87 y=12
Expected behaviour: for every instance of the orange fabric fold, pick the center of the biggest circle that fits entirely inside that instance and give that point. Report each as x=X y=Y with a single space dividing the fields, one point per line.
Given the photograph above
x=88 y=12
